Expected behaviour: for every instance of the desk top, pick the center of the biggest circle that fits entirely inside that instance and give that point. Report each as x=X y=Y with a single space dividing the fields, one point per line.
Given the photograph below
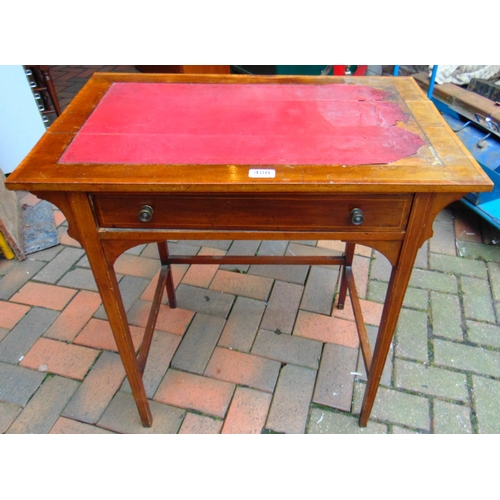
x=175 y=133
x=253 y=124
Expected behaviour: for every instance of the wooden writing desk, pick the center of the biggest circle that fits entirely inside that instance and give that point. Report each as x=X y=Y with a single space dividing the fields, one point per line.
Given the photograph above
x=147 y=158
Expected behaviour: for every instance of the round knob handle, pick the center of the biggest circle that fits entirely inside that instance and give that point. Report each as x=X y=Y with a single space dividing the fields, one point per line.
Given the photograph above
x=145 y=213
x=357 y=216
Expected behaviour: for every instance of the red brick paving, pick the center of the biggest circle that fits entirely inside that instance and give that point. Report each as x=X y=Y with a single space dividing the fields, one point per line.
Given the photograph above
x=335 y=381
x=246 y=285
x=65 y=238
x=332 y=245
x=59 y=218
x=362 y=250
x=75 y=316
x=242 y=324
x=283 y=306
x=121 y=416
x=17 y=275
x=178 y=271
x=290 y=405
x=68 y=426
x=136 y=266
x=202 y=274
x=30 y=200
x=162 y=350
x=174 y=321
x=326 y=329
x=49 y=296
x=287 y=349
x=199 y=424
x=243 y=369
x=248 y=412
x=44 y=407
x=360 y=268
x=194 y=392
x=97 y=390
x=372 y=311
x=57 y=357
x=11 y=313
x=98 y=335
x=6 y=265
x=340 y=246
x=198 y=344
x=8 y=413
x=3 y=333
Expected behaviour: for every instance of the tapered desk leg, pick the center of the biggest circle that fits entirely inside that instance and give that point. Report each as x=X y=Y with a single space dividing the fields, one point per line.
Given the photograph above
x=348 y=256
x=394 y=301
x=398 y=283
x=107 y=284
x=163 y=251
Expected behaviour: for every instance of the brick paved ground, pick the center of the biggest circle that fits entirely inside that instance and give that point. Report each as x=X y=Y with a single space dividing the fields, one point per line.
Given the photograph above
x=253 y=349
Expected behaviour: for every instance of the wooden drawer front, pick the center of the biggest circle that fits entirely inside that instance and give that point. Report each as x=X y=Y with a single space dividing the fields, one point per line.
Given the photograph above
x=259 y=212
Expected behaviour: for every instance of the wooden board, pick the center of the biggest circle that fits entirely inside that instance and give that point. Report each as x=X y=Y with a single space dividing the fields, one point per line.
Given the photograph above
x=11 y=220
x=472 y=106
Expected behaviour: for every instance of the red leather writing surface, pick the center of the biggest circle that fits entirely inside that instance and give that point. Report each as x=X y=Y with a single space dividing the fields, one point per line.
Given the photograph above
x=160 y=123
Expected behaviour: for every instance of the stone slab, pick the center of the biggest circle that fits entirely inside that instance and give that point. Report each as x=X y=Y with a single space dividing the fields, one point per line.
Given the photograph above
x=487 y=404
x=396 y=407
x=335 y=382
x=290 y=405
x=326 y=422
x=451 y=418
x=122 y=416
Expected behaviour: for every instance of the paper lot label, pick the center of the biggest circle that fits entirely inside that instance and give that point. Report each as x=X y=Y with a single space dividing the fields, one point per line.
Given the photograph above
x=262 y=173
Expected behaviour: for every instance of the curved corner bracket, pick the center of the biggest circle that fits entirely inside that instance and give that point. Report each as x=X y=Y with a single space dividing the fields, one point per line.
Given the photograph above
x=73 y=234
x=389 y=249
x=114 y=248
x=60 y=200
x=441 y=200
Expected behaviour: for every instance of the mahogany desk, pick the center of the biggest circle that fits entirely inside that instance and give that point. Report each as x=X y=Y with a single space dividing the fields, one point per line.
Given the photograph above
x=139 y=158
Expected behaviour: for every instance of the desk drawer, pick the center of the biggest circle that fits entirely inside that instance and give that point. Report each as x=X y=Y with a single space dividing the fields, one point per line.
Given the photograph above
x=258 y=212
